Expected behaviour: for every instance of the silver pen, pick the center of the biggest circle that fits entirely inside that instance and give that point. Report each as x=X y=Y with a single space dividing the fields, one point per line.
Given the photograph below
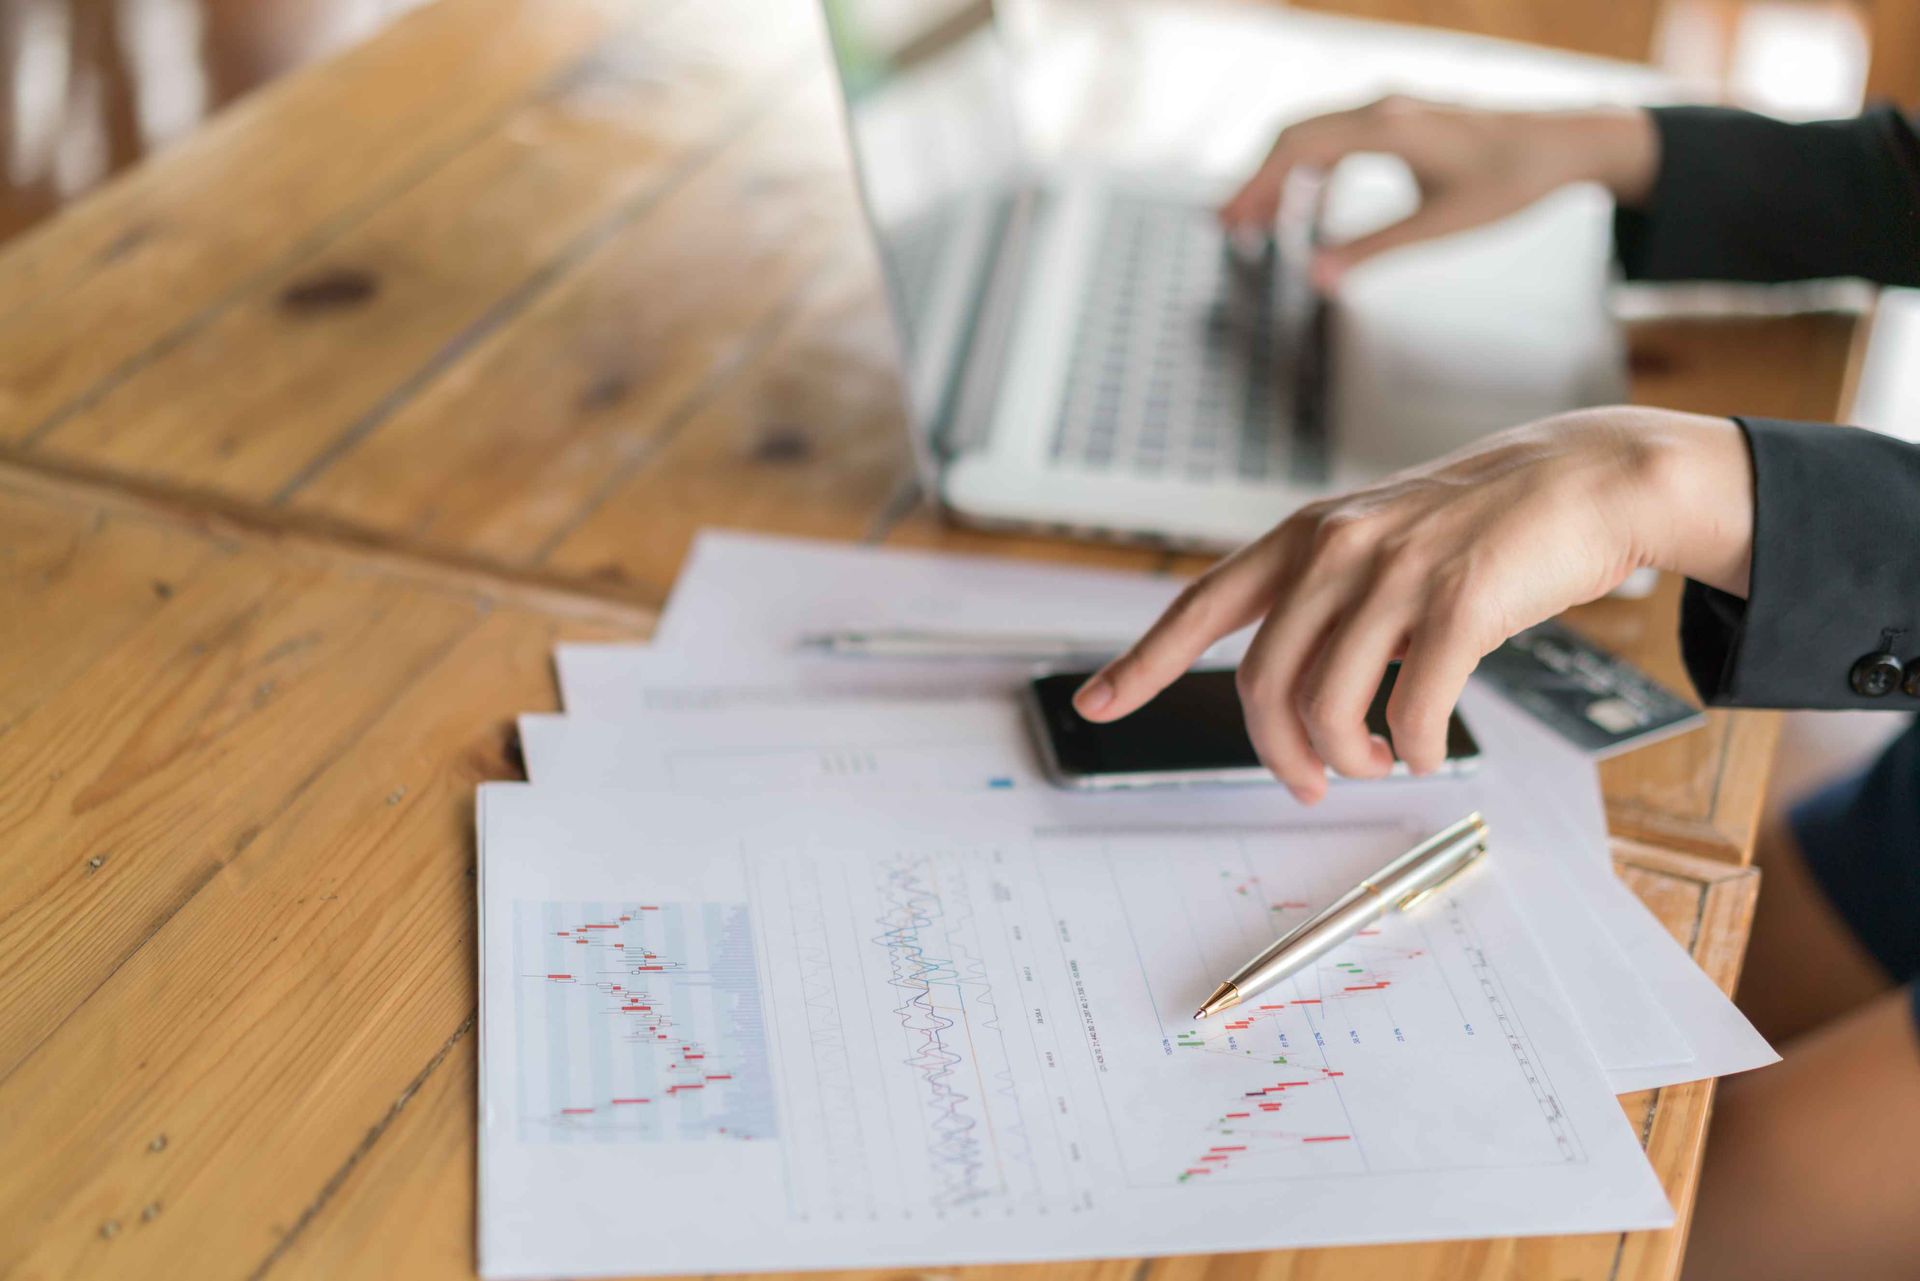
x=912 y=643
x=1399 y=885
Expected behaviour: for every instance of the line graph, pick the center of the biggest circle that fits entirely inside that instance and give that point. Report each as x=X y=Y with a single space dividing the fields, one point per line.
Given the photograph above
x=651 y=1021
x=933 y=995
x=950 y=1029
x=911 y=1002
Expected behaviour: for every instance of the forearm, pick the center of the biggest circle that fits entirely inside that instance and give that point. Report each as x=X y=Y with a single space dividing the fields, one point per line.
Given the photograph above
x=1738 y=196
x=1616 y=147
x=1696 y=518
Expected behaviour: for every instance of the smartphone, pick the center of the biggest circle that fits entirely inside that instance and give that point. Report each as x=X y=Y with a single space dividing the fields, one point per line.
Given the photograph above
x=1192 y=734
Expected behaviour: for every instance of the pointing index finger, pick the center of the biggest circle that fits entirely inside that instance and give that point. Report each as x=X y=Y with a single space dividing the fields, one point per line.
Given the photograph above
x=1223 y=600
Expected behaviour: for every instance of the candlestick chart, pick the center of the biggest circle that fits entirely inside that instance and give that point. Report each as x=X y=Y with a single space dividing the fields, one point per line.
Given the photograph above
x=650 y=1021
x=1315 y=1076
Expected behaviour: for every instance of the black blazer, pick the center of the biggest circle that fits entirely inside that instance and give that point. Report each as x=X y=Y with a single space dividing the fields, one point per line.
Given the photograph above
x=1836 y=545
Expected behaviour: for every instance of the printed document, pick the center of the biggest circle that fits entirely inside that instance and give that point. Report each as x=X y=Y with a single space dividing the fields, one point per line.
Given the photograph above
x=896 y=1028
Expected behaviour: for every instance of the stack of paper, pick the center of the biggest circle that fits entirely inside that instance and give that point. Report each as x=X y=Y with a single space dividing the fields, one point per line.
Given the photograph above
x=790 y=961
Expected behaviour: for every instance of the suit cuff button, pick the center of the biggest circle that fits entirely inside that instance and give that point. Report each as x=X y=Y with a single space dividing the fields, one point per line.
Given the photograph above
x=1877 y=675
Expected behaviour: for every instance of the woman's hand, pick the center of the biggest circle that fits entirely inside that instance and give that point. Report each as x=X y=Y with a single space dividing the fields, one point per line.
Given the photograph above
x=1472 y=166
x=1436 y=567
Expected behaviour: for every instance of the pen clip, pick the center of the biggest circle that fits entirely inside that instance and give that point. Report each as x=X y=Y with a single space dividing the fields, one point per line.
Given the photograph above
x=1420 y=896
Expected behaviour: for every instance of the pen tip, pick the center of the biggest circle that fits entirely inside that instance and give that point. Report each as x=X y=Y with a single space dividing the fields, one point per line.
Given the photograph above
x=1224 y=997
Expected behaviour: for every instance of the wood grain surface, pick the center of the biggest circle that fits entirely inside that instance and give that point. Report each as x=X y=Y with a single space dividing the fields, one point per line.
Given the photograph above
x=317 y=432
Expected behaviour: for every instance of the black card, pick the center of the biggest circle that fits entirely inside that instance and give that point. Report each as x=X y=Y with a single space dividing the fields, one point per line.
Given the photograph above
x=1595 y=700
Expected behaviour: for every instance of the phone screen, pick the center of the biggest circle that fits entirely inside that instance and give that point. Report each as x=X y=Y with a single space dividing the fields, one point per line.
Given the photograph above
x=1195 y=726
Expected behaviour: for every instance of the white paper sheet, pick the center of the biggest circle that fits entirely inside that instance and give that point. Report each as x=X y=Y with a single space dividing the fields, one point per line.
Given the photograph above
x=947 y=746
x=743 y=602
x=750 y=594
x=856 y=1030
x=1720 y=1039
x=978 y=744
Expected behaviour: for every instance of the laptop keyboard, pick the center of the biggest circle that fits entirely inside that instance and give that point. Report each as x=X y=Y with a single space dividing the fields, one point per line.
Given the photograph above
x=1176 y=371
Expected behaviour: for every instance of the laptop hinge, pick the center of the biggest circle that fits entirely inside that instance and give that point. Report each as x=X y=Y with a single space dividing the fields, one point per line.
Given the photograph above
x=983 y=354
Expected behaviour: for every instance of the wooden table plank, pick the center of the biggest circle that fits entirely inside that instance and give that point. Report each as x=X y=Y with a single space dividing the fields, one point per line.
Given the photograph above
x=85 y=585
x=1793 y=366
x=919 y=524
x=285 y=169
x=805 y=438
x=404 y=1204
x=315 y=353
x=583 y=389
x=167 y=756
x=269 y=1020
x=277 y=767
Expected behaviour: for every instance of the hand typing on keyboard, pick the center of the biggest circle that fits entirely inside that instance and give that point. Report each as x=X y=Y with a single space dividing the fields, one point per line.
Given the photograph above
x=1472 y=166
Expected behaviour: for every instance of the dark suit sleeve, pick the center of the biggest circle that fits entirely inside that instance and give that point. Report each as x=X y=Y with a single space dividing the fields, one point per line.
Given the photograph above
x=1749 y=198
x=1836 y=573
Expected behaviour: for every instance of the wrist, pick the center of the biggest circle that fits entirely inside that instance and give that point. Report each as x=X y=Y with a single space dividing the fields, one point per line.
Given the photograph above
x=1696 y=505
x=1616 y=147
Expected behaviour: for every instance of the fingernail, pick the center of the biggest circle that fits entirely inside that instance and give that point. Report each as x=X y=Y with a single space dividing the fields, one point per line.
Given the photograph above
x=1382 y=754
x=1094 y=696
x=1307 y=793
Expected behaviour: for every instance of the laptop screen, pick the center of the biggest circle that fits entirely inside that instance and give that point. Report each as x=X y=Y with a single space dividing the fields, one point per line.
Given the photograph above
x=937 y=146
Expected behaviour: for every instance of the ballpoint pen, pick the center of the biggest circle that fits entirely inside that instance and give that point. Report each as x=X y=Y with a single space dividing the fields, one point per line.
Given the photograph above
x=1400 y=885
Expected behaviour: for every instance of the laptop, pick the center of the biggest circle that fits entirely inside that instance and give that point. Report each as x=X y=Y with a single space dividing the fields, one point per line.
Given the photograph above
x=1084 y=352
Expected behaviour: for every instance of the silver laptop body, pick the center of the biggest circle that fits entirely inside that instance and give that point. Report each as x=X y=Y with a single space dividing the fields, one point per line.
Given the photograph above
x=1083 y=352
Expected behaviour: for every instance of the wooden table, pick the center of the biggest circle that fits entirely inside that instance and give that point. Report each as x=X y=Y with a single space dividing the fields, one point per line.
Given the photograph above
x=315 y=434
